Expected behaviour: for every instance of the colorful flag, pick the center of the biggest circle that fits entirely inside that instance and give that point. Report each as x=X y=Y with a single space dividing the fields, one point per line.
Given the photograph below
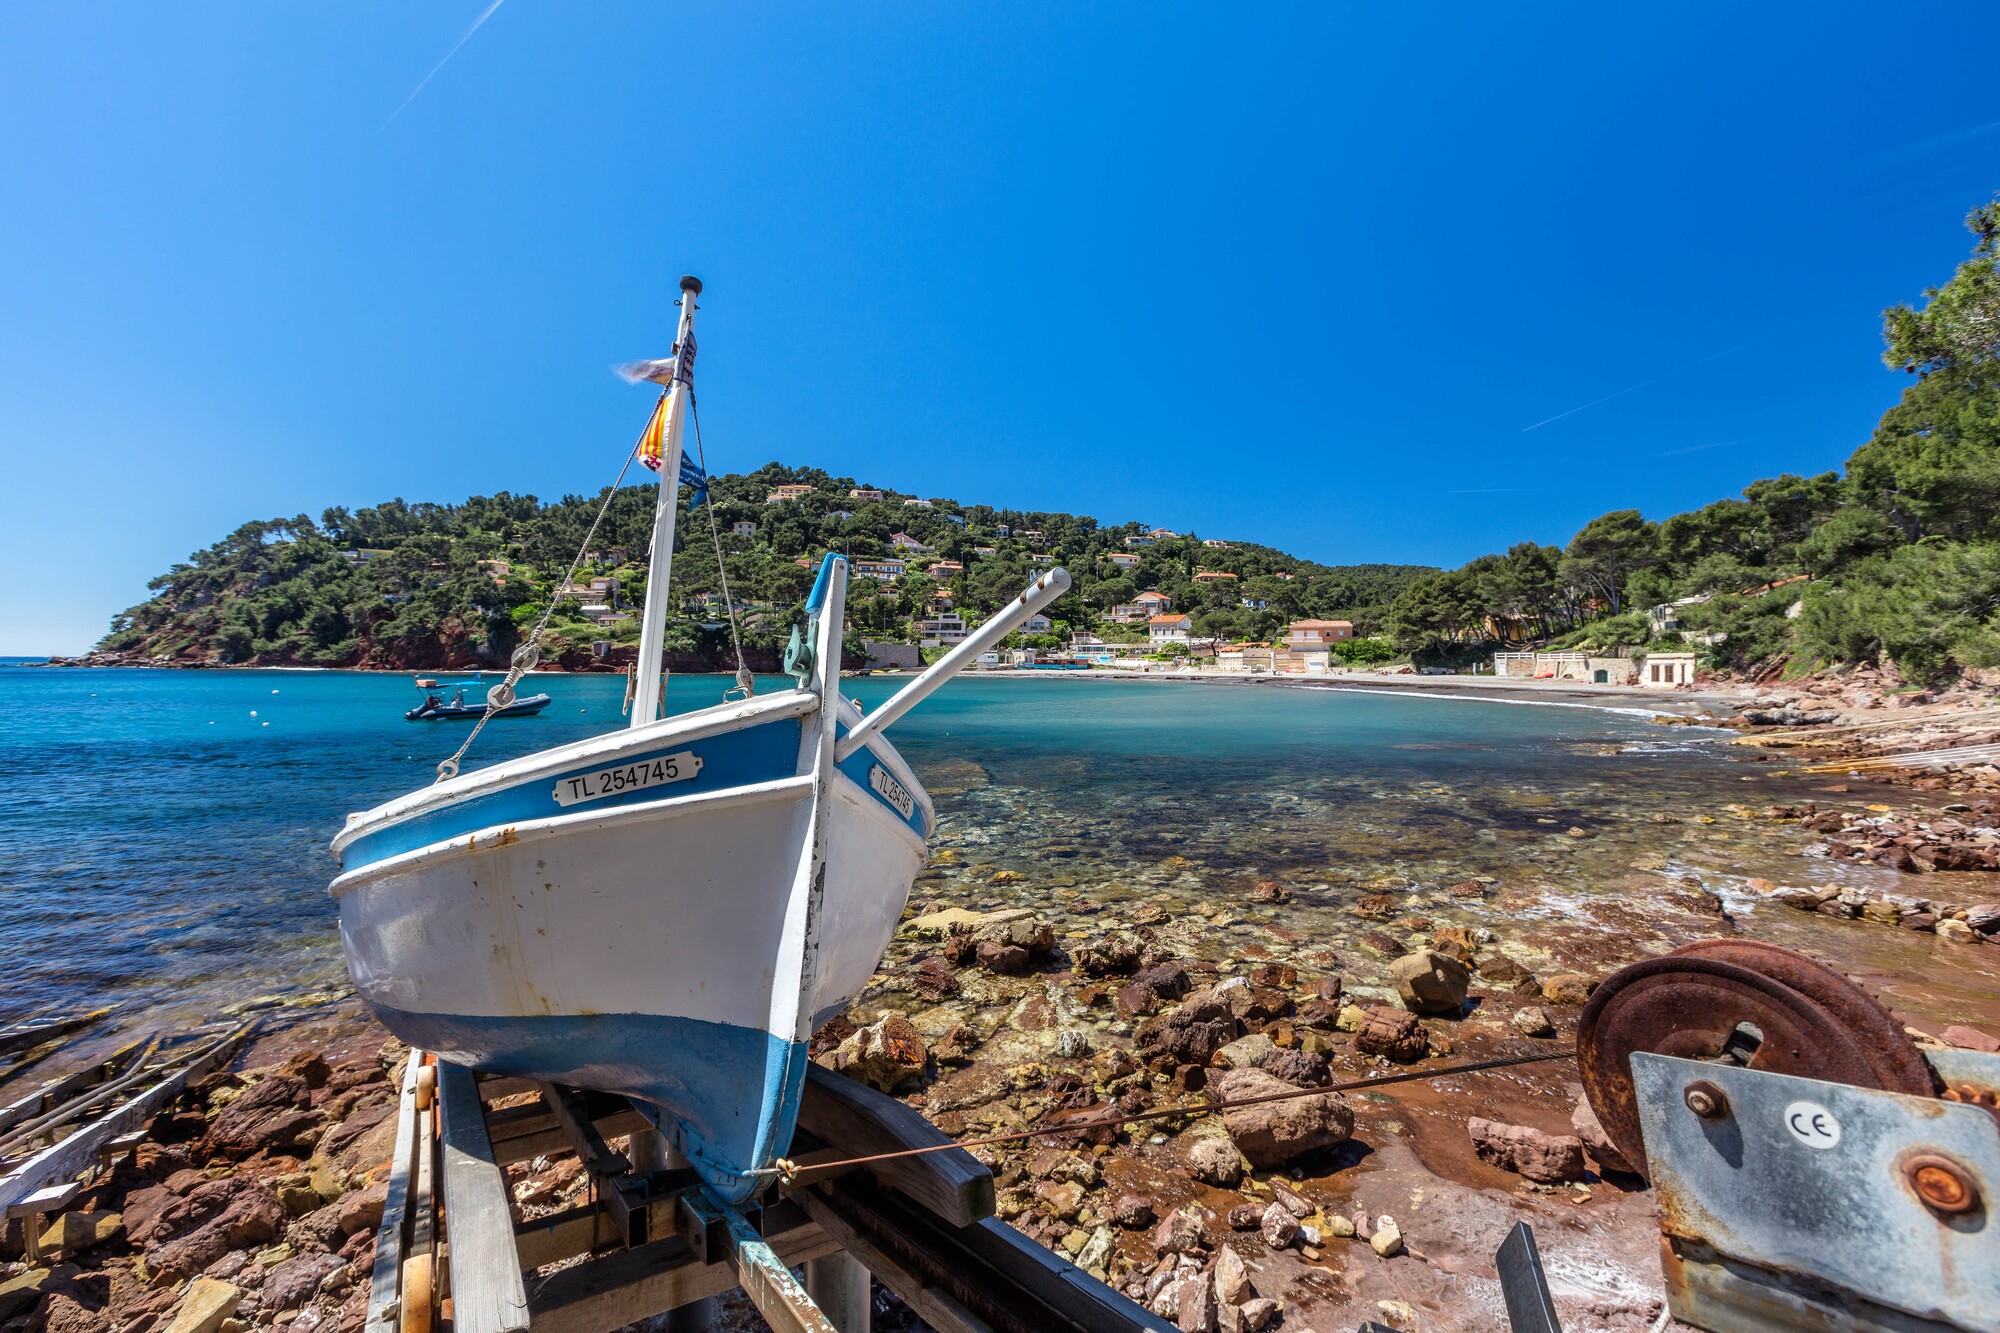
x=634 y=372
x=653 y=443
x=653 y=448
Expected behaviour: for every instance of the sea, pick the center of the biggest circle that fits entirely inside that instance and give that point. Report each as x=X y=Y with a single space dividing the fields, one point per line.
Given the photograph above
x=164 y=834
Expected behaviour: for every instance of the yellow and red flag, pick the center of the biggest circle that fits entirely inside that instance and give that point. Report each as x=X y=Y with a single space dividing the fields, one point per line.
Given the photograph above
x=653 y=443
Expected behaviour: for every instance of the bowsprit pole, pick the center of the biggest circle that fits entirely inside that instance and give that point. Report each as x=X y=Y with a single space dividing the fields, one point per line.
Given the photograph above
x=650 y=678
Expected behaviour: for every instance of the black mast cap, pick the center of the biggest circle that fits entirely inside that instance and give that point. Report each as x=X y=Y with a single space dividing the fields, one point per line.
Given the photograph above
x=691 y=284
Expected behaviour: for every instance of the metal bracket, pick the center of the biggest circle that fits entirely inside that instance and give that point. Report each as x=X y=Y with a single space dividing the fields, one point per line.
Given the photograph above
x=1789 y=1201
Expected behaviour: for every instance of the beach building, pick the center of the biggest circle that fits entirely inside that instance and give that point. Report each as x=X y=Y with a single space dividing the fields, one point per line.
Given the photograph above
x=782 y=493
x=941 y=630
x=1170 y=628
x=1310 y=635
x=1123 y=559
x=904 y=541
x=886 y=570
x=864 y=493
x=890 y=656
x=1667 y=670
x=743 y=527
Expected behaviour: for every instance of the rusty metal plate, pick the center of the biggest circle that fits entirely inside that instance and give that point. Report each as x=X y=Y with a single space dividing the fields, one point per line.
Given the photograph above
x=1690 y=1006
x=1897 y=1063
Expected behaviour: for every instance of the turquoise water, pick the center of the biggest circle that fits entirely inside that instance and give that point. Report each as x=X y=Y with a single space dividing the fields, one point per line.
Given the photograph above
x=163 y=833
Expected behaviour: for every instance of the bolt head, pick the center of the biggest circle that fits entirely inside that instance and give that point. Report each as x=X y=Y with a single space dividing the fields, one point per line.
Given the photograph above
x=1705 y=1100
x=1942 y=1185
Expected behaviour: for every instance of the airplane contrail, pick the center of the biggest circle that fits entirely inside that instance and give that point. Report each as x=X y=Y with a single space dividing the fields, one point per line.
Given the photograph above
x=1645 y=383
x=464 y=37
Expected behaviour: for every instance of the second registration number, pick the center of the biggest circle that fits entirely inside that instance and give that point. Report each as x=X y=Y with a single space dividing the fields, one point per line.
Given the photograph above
x=677 y=767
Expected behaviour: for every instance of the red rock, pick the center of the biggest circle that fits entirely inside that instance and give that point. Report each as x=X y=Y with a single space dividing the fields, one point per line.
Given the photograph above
x=1392 y=1033
x=1971 y=1039
x=1273 y=1133
x=1546 y=1158
x=1567 y=988
x=292 y=1283
x=1151 y=987
x=1007 y=960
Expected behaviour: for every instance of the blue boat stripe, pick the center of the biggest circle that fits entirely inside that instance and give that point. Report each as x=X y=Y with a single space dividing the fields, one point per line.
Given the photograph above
x=891 y=792
x=761 y=753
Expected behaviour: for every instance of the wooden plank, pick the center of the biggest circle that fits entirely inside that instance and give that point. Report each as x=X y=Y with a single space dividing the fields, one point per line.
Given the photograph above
x=487 y=1295
x=862 y=1122
x=45 y=1098
x=20 y=1036
x=631 y=1285
x=538 y=1134
x=64 y=1160
x=493 y=1087
x=51 y=1198
x=385 y=1282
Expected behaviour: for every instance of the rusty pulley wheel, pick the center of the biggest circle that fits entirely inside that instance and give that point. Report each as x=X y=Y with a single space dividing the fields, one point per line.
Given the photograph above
x=1897 y=1064
x=1704 y=1008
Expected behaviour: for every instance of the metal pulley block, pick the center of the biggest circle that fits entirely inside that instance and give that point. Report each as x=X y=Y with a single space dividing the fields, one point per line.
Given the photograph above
x=1741 y=1003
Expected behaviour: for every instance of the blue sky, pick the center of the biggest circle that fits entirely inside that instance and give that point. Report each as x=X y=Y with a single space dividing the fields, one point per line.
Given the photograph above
x=1304 y=275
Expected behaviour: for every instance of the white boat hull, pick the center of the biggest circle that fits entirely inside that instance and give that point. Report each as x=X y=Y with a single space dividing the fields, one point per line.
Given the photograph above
x=650 y=947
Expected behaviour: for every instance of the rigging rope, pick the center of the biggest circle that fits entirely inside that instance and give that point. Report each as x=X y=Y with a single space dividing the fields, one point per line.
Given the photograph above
x=744 y=680
x=789 y=1172
x=528 y=654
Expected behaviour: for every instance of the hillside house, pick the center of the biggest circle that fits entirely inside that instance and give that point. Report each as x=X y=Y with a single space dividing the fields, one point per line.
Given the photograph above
x=743 y=527
x=1037 y=624
x=1162 y=534
x=1033 y=536
x=887 y=570
x=1041 y=560
x=985 y=550
x=1284 y=574
x=864 y=493
x=1214 y=576
x=916 y=504
x=956 y=520
x=1308 y=635
x=904 y=541
x=780 y=494
x=940 y=631
x=1123 y=559
x=841 y=515
x=1002 y=530
x=1139 y=539
x=1215 y=542
x=945 y=569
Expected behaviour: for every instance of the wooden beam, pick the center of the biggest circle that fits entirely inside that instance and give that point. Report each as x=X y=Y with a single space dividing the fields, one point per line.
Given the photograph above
x=20 y=1036
x=64 y=1160
x=935 y=1306
x=487 y=1295
x=45 y=1098
x=765 y=1278
x=523 y=1132
x=631 y=1285
x=385 y=1283
x=862 y=1122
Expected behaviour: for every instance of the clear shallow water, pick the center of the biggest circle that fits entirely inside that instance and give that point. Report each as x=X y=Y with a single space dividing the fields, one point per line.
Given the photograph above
x=163 y=833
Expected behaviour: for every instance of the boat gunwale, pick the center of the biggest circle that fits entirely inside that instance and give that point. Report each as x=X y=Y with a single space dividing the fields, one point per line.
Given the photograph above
x=508 y=834
x=698 y=725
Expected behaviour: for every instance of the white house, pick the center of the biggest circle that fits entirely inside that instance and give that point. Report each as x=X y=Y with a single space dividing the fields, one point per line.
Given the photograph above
x=743 y=527
x=939 y=631
x=1123 y=559
x=1170 y=628
x=882 y=571
x=906 y=542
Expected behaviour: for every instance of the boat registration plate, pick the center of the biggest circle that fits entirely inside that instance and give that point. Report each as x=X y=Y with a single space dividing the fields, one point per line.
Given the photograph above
x=891 y=790
x=657 y=772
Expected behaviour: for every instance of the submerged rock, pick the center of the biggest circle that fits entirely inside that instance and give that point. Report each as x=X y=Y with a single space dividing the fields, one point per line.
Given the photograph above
x=1391 y=1033
x=886 y=1054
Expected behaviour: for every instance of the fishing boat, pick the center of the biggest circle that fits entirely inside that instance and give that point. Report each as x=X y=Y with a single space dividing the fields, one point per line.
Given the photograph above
x=668 y=911
x=447 y=703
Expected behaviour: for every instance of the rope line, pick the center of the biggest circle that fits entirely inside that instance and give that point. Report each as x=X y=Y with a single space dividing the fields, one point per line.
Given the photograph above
x=744 y=680
x=528 y=654
x=789 y=1172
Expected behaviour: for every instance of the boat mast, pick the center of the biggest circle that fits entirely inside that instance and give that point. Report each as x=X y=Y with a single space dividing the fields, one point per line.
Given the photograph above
x=649 y=684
